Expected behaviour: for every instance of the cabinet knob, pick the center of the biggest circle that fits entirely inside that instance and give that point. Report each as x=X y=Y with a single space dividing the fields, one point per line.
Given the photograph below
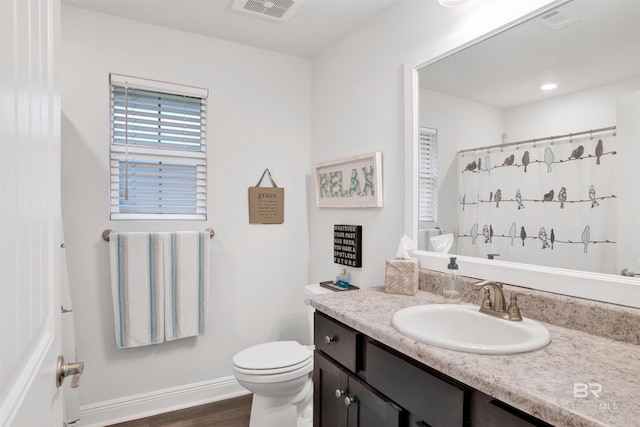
x=328 y=340
x=349 y=400
x=339 y=393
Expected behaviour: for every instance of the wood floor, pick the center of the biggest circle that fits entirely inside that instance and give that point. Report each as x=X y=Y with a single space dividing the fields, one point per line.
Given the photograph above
x=227 y=413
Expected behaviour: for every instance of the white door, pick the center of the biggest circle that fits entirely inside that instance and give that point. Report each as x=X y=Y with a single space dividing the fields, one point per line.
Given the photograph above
x=29 y=213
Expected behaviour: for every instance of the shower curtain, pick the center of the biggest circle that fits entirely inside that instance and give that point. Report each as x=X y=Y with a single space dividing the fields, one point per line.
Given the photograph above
x=551 y=204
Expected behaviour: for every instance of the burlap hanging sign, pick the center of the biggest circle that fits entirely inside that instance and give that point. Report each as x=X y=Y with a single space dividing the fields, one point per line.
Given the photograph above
x=266 y=204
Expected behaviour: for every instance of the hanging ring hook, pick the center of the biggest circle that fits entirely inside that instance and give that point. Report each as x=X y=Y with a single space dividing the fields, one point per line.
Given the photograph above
x=615 y=130
x=571 y=137
x=591 y=134
x=534 y=143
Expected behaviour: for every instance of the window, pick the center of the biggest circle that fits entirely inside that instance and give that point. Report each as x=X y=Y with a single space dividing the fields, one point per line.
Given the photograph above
x=428 y=175
x=158 y=150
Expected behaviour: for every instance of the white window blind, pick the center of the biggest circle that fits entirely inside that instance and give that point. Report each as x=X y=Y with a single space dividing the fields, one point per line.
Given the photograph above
x=428 y=175
x=158 y=150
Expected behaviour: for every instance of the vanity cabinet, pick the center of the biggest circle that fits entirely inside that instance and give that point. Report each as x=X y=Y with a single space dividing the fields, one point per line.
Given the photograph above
x=343 y=400
x=359 y=381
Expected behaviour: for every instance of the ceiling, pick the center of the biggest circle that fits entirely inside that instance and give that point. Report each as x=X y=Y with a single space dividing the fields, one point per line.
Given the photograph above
x=316 y=25
x=508 y=69
x=503 y=71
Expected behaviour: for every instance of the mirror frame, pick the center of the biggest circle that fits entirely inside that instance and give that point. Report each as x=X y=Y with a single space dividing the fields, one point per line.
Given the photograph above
x=594 y=286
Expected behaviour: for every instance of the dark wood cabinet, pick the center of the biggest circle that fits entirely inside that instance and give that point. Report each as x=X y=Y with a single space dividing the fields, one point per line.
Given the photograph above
x=329 y=410
x=435 y=401
x=489 y=412
x=340 y=342
x=343 y=400
x=360 y=382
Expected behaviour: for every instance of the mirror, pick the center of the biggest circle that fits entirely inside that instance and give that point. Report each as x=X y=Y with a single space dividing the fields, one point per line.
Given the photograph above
x=483 y=98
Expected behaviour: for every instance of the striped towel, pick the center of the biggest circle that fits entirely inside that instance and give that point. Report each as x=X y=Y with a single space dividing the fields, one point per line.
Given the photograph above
x=186 y=276
x=137 y=287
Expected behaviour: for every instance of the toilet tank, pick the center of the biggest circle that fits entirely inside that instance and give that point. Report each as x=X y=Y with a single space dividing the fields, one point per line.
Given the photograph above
x=309 y=290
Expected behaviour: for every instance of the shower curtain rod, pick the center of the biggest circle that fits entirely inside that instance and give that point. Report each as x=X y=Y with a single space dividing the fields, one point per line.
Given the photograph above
x=536 y=140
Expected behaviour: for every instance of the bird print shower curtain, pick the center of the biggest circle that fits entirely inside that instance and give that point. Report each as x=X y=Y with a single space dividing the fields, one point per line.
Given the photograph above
x=551 y=204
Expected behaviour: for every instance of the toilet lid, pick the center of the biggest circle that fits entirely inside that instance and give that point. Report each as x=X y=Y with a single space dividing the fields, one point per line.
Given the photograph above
x=272 y=355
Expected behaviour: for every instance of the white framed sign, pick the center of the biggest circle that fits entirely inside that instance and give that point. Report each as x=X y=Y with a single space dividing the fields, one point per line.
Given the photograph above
x=353 y=182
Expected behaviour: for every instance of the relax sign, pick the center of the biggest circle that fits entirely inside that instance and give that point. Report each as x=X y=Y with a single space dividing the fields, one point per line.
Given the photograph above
x=352 y=182
x=332 y=184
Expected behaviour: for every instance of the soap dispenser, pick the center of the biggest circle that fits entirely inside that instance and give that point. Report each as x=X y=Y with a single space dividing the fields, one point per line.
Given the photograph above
x=343 y=279
x=451 y=288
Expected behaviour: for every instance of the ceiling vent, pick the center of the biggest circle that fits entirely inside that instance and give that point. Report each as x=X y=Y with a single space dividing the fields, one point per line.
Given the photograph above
x=275 y=10
x=556 y=20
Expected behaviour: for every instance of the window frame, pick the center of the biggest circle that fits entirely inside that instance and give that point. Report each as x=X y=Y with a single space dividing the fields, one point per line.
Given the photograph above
x=428 y=175
x=184 y=162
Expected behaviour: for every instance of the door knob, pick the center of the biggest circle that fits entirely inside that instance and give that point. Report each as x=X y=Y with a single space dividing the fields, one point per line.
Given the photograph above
x=64 y=370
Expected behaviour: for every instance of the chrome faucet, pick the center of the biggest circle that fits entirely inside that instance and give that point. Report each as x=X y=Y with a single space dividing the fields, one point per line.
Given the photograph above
x=498 y=307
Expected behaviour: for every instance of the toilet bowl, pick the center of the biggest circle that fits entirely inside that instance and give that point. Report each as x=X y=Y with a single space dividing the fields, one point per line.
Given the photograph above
x=279 y=374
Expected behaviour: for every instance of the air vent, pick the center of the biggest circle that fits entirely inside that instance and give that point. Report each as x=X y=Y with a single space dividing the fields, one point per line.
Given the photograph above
x=275 y=10
x=557 y=20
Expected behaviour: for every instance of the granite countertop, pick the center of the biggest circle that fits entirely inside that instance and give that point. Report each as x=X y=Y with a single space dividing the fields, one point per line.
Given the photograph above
x=540 y=383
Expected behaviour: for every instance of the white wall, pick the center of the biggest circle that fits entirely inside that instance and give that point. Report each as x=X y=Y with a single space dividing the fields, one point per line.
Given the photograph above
x=628 y=127
x=588 y=109
x=259 y=117
x=460 y=124
x=358 y=107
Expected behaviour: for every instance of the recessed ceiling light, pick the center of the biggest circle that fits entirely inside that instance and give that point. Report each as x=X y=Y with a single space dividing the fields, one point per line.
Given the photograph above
x=452 y=3
x=548 y=86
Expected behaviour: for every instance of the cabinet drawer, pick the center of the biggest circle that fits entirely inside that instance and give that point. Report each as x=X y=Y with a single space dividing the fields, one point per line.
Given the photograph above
x=489 y=412
x=338 y=341
x=436 y=401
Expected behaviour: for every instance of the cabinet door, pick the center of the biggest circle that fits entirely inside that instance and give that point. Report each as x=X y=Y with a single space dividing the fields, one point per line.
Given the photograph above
x=330 y=386
x=438 y=403
x=369 y=408
x=342 y=400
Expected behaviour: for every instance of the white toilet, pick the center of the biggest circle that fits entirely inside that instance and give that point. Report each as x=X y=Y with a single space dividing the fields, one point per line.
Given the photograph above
x=279 y=376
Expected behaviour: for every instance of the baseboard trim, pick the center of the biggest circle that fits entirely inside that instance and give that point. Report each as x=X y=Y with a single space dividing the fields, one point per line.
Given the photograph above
x=157 y=402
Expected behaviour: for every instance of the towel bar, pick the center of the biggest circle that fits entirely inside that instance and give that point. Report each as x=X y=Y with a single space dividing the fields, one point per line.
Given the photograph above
x=105 y=233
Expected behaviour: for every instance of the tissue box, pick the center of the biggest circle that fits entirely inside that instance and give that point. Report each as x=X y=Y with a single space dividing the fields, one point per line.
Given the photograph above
x=401 y=276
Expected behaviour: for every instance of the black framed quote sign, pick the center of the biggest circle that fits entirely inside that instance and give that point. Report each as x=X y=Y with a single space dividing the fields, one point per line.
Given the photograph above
x=347 y=245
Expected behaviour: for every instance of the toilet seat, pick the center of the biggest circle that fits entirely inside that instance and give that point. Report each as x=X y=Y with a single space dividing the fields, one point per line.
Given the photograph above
x=273 y=363
x=274 y=371
x=272 y=358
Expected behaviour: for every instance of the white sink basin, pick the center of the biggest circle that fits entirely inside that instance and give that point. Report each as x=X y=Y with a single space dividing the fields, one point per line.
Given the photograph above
x=464 y=328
